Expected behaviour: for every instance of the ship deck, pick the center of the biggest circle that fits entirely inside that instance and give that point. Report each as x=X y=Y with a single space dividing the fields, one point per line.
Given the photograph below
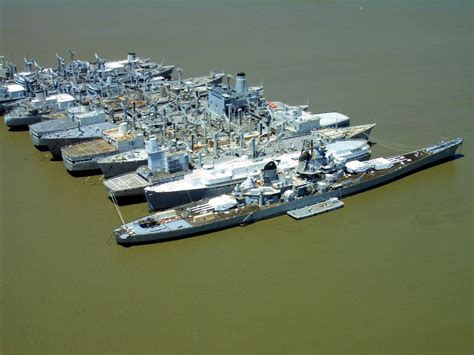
x=90 y=148
x=125 y=182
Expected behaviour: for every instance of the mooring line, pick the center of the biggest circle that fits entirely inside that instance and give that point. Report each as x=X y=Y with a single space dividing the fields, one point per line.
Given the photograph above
x=114 y=200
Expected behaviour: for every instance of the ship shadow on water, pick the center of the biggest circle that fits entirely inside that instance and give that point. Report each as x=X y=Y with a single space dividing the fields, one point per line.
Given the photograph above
x=41 y=148
x=129 y=200
x=18 y=129
x=84 y=173
x=55 y=158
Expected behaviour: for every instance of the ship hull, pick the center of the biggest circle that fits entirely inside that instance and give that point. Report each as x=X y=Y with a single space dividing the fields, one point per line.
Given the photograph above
x=119 y=168
x=168 y=199
x=82 y=165
x=37 y=131
x=273 y=211
x=21 y=121
x=7 y=105
x=133 y=192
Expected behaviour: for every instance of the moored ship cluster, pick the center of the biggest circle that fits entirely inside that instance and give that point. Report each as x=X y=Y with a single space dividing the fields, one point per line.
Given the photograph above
x=207 y=152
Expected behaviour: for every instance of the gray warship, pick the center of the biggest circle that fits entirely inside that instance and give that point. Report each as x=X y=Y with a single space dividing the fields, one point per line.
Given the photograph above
x=299 y=120
x=133 y=184
x=84 y=156
x=77 y=116
x=122 y=163
x=34 y=111
x=10 y=94
x=57 y=140
x=312 y=182
x=222 y=178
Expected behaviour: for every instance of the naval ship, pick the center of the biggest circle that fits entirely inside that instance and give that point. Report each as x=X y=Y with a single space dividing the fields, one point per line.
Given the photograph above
x=315 y=181
x=299 y=120
x=134 y=183
x=222 y=178
x=10 y=95
x=84 y=156
x=34 y=111
x=57 y=140
x=122 y=163
x=77 y=116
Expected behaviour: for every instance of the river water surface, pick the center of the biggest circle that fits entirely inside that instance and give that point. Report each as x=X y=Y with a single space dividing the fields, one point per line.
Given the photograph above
x=389 y=273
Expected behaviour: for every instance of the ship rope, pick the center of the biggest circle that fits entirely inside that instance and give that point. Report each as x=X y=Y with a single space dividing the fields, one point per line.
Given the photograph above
x=110 y=240
x=394 y=146
x=114 y=200
x=189 y=195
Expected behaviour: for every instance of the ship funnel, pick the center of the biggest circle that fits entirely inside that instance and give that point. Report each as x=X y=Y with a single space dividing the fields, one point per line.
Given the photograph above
x=123 y=129
x=270 y=173
x=40 y=96
x=157 y=160
x=240 y=83
x=152 y=145
x=131 y=56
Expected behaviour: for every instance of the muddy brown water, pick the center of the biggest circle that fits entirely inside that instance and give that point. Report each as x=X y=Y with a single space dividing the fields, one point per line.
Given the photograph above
x=391 y=272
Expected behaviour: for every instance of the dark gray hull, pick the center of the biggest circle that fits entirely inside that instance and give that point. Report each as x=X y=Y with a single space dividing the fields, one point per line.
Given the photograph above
x=39 y=129
x=119 y=168
x=279 y=209
x=21 y=121
x=89 y=164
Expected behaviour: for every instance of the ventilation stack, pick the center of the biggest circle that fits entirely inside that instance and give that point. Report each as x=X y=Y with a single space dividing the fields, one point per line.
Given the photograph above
x=270 y=173
x=240 y=83
x=157 y=160
x=131 y=57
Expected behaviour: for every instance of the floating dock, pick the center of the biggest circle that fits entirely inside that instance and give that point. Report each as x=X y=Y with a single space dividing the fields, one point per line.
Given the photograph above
x=318 y=208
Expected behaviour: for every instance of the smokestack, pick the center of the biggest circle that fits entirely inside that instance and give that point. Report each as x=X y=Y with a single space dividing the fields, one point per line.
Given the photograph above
x=123 y=127
x=157 y=160
x=131 y=57
x=240 y=83
x=40 y=95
